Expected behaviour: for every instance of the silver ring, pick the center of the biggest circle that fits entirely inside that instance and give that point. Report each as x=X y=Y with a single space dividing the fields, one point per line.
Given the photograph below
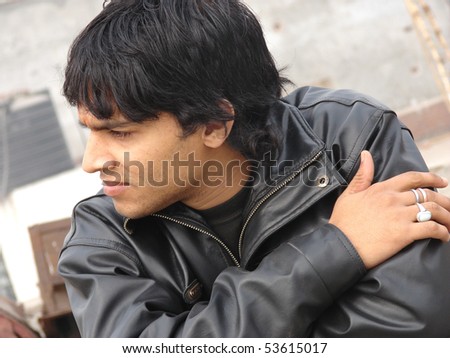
x=424 y=194
x=423 y=214
x=416 y=194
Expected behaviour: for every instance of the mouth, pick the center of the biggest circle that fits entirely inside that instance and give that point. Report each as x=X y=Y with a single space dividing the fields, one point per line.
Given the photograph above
x=114 y=183
x=114 y=188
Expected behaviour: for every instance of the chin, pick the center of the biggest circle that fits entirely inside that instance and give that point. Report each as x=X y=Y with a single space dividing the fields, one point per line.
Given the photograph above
x=134 y=211
x=130 y=212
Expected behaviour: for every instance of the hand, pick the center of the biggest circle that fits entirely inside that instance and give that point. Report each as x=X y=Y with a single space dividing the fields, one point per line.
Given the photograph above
x=6 y=328
x=380 y=219
x=10 y=328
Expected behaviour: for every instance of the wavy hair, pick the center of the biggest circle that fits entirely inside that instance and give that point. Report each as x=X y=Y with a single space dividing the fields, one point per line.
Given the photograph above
x=142 y=57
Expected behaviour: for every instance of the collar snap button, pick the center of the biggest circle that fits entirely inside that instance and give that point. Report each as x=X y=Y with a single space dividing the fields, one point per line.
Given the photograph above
x=193 y=292
x=323 y=181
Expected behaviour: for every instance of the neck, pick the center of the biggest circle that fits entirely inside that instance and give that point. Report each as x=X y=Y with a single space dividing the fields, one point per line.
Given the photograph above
x=221 y=181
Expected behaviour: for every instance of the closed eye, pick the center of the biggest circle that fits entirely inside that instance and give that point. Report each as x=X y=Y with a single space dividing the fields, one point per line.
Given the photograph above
x=120 y=134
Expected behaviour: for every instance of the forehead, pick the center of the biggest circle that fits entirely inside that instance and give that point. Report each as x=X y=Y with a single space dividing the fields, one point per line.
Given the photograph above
x=87 y=119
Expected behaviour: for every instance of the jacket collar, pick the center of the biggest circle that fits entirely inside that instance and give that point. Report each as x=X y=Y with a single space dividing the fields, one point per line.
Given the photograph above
x=283 y=189
x=301 y=175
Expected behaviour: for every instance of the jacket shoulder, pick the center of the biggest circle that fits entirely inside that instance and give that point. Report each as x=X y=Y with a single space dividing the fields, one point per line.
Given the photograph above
x=338 y=109
x=309 y=97
x=95 y=219
x=348 y=122
x=342 y=115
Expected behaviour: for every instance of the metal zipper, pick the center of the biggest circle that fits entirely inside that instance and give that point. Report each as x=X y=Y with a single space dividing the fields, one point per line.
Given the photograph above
x=236 y=262
x=269 y=194
x=249 y=217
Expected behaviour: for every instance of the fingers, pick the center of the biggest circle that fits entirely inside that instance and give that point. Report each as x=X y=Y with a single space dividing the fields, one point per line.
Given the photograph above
x=438 y=227
x=438 y=198
x=364 y=176
x=430 y=230
x=438 y=214
x=412 y=180
x=389 y=209
x=421 y=195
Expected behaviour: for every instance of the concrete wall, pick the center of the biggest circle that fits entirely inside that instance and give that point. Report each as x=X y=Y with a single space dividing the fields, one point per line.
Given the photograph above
x=367 y=45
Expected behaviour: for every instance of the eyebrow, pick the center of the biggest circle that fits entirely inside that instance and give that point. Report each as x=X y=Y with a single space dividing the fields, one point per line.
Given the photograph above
x=104 y=124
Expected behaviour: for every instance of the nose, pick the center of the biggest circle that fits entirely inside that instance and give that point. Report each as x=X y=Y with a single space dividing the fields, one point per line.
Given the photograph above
x=96 y=155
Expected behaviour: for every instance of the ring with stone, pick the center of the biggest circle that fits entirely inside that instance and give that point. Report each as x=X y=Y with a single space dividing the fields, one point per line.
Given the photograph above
x=423 y=214
x=416 y=194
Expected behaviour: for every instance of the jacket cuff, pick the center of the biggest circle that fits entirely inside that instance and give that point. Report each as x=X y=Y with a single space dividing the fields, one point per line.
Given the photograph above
x=333 y=258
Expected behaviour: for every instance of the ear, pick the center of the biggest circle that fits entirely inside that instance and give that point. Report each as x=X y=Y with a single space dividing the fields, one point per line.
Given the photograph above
x=215 y=133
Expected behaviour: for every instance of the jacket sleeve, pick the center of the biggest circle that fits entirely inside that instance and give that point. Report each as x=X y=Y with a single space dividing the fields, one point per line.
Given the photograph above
x=112 y=297
x=408 y=295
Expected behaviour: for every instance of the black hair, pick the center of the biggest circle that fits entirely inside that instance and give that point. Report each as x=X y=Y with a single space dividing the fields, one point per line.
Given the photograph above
x=142 y=57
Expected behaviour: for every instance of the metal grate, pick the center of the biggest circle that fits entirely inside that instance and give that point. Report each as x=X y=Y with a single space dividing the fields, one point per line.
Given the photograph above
x=32 y=146
x=5 y=283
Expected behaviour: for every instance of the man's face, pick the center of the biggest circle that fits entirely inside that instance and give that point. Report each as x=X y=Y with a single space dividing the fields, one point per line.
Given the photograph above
x=146 y=166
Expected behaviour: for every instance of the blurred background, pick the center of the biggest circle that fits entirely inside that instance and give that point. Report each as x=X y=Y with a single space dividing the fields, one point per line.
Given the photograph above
x=393 y=50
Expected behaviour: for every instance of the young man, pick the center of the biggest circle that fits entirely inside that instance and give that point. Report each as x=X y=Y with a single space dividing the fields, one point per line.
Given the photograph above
x=225 y=210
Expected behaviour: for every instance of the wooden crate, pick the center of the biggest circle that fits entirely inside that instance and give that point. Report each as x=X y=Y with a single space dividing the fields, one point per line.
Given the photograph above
x=47 y=240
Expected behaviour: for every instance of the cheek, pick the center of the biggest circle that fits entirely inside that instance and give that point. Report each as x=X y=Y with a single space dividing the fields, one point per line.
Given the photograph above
x=153 y=169
x=165 y=162
x=158 y=173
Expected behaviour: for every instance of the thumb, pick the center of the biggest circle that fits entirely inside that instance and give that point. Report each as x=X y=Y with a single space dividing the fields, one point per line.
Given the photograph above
x=364 y=176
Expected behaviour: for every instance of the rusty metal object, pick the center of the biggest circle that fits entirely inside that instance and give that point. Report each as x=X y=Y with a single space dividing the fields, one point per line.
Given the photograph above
x=13 y=323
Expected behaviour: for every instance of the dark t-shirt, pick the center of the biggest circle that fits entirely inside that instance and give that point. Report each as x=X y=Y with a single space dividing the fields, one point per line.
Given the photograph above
x=226 y=219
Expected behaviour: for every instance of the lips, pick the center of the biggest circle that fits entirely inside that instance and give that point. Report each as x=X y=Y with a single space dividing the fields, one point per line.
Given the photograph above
x=113 y=188
x=113 y=183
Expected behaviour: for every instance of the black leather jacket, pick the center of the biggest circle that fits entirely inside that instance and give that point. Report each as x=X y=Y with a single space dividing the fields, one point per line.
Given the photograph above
x=168 y=275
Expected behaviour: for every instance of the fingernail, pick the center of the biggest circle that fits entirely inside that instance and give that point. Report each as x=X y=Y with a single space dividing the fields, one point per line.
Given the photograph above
x=363 y=156
x=445 y=180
